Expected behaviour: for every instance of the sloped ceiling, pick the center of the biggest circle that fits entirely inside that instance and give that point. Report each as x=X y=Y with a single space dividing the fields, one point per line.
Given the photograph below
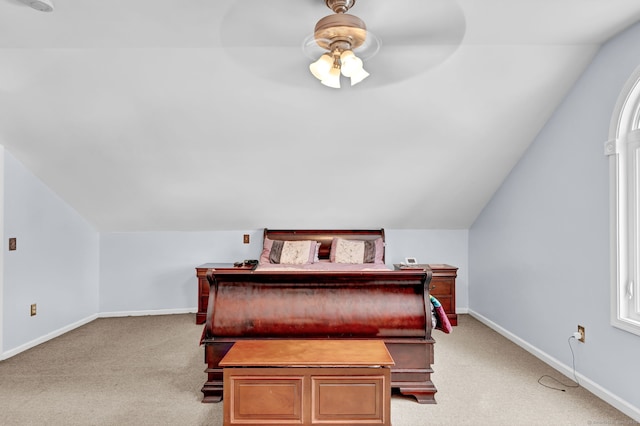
x=202 y=115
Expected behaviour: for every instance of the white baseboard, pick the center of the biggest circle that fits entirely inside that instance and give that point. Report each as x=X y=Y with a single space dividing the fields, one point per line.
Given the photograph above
x=47 y=337
x=602 y=393
x=146 y=313
x=66 y=329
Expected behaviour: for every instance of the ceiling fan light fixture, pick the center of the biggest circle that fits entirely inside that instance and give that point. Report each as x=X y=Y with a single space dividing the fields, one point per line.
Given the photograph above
x=338 y=36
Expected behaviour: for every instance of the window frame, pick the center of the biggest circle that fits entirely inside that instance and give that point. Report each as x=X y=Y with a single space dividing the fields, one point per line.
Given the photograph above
x=623 y=149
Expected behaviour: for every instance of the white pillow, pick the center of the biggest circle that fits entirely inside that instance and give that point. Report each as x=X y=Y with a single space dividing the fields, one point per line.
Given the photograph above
x=296 y=252
x=349 y=251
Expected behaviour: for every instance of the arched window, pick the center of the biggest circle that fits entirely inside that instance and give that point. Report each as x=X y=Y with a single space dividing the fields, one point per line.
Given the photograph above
x=623 y=149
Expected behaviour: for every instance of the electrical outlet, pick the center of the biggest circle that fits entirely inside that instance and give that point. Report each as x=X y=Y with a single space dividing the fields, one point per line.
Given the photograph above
x=245 y=239
x=33 y=309
x=581 y=331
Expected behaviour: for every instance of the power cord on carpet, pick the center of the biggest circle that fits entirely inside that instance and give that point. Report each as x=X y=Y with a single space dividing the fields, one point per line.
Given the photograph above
x=573 y=362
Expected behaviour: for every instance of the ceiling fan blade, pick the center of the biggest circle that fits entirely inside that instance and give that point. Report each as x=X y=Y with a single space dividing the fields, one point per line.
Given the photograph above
x=402 y=63
x=253 y=23
x=432 y=22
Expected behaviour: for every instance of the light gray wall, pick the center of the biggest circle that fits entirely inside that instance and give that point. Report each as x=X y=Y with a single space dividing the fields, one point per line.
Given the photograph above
x=539 y=251
x=55 y=264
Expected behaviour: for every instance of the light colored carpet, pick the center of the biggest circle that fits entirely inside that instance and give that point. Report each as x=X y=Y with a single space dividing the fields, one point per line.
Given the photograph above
x=149 y=371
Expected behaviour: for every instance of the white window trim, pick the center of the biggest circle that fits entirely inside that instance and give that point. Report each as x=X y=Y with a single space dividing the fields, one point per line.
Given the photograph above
x=623 y=149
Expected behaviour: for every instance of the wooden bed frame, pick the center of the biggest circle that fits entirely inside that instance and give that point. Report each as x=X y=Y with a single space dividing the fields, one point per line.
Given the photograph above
x=390 y=305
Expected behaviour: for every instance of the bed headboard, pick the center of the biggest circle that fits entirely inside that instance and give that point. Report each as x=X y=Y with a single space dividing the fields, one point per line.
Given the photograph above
x=323 y=236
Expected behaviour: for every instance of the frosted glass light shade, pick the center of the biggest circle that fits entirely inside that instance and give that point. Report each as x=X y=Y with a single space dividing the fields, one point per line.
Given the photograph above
x=322 y=67
x=358 y=76
x=352 y=67
x=333 y=79
x=350 y=63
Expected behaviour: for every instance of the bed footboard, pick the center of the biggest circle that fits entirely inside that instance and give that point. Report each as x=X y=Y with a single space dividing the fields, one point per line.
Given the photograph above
x=389 y=305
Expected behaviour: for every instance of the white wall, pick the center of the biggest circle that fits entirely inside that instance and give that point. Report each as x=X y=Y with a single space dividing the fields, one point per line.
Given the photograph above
x=4 y=247
x=433 y=246
x=55 y=264
x=539 y=252
x=154 y=272
x=74 y=274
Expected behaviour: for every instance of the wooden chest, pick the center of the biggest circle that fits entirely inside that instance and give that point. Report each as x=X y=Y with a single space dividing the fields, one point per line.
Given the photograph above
x=307 y=382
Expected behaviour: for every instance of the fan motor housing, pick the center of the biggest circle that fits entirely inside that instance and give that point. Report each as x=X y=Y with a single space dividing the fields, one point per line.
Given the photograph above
x=340 y=27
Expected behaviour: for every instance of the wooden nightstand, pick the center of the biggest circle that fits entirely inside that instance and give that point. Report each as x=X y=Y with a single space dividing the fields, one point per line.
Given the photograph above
x=443 y=286
x=203 y=285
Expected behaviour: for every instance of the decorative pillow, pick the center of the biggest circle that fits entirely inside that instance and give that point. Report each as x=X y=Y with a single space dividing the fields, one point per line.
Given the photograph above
x=379 y=254
x=288 y=252
x=297 y=252
x=266 y=250
x=316 y=256
x=356 y=251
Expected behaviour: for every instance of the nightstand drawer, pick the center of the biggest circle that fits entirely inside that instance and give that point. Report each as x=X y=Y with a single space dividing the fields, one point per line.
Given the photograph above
x=441 y=286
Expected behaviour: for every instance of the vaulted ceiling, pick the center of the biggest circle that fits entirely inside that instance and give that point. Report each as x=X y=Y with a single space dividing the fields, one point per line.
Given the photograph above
x=202 y=114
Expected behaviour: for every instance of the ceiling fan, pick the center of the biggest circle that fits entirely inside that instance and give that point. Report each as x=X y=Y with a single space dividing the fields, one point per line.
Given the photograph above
x=339 y=35
x=265 y=36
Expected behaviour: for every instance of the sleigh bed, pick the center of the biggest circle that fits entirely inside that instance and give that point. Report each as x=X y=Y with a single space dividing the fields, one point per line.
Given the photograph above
x=330 y=294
